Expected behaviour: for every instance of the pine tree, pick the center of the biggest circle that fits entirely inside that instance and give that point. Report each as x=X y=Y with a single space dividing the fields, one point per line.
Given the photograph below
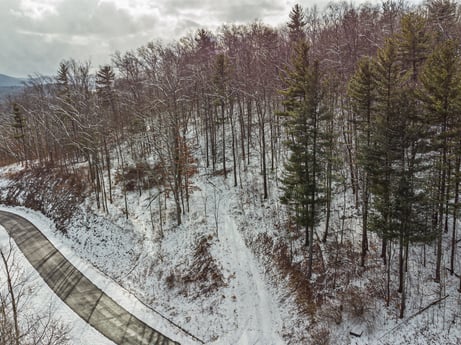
x=362 y=91
x=297 y=23
x=62 y=80
x=414 y=43
x=19 y=125
x=378 y=158
x=394 y=165
x=441 y=95
x=305 y=119
x=105 y=79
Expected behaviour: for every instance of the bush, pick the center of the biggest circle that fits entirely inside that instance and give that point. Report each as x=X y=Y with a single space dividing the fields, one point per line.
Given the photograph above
x=204 y=275
x=320 y=336
x=140 y=177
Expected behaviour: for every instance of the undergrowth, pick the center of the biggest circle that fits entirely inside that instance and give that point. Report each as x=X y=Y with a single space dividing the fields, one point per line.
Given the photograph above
x=52 y=192
x=203 y=277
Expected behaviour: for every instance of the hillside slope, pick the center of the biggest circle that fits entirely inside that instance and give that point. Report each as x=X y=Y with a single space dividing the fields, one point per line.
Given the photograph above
x=221 y=275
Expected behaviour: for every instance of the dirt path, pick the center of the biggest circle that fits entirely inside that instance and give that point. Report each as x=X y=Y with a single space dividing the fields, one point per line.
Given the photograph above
x=258 y=312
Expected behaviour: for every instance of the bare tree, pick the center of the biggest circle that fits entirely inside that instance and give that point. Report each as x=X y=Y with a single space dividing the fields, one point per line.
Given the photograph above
x=17 y=326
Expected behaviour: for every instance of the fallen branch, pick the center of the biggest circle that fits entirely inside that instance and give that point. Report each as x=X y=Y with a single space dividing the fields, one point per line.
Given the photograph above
x=426 y=307
x=414 y=315
x=456 y=274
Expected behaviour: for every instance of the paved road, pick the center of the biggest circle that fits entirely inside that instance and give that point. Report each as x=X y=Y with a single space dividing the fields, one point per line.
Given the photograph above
x=80 y=294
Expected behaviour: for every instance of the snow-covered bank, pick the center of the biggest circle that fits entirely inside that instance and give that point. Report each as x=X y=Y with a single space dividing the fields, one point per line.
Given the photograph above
x=115 y=291
x=42 y=300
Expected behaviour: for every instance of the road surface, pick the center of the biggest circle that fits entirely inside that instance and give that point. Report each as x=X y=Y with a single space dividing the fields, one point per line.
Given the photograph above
x=80 y=294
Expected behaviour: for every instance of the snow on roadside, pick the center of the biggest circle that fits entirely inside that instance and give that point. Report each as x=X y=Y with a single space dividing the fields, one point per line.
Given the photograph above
x=42 y=299
x=131 y=252
x=111 y=288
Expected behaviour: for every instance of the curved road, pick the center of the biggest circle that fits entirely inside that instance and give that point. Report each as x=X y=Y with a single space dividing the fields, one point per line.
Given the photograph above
x=80 y=294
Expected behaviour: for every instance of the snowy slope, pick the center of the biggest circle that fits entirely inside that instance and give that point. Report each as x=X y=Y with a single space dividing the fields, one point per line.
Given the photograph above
x=245 y=302
x=43 y=299
x=81 y=332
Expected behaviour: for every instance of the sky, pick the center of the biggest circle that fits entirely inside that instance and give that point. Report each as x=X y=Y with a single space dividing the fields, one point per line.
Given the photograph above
x=38 y=34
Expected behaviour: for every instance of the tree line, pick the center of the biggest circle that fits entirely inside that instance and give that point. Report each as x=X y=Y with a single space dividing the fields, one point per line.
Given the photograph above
x=373 y=90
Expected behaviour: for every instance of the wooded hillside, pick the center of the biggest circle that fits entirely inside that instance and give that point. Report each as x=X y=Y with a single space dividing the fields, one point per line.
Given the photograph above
x=361 y=99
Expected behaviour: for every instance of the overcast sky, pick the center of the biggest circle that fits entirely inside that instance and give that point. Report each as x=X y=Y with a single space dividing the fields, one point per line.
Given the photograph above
x=35 y=35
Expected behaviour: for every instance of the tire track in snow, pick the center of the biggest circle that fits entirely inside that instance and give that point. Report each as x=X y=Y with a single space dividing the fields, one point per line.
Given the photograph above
x=258 y=313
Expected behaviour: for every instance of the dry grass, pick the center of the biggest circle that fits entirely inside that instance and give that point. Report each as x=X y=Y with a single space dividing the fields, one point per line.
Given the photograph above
x=300 y=286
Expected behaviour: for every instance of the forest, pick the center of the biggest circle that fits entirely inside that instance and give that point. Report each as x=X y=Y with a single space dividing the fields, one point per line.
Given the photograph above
x=358 y=102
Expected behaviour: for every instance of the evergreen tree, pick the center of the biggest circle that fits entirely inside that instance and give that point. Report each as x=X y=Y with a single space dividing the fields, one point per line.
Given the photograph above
x=19 y=125
x=297 y=24
x=441 y=96
x=105 y=79
x=394 y=165
x=378 y=158
x=414 y=43
x=305 y=119
x=362 y=91
x=62 y=79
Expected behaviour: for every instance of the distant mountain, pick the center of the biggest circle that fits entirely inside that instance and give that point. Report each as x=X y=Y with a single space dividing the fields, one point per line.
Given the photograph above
x=7 y=81
x=10 y=86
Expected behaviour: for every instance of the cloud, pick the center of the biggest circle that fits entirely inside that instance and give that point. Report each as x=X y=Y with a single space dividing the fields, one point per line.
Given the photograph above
x=227 y=11
x=38 y=34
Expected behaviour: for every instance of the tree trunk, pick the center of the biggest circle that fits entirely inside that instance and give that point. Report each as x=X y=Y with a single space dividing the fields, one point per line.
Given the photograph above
x=403 y=292
x=11 y=291
x=311 y=252
x=223 y=119
x=365 y=203
x=328 y=199
x=108 y=166
x=264 y=169
x=388 y=277
x=441 y=205
x=234 y=158
x=401 y=264
x=455 y=216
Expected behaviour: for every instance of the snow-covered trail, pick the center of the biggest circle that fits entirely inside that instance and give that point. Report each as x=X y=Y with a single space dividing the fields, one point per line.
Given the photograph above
x=258 y=317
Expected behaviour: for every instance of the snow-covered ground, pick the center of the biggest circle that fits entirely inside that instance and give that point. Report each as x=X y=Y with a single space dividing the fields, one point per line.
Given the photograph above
x=243 y=311
x=243 y=302
x=41 y=298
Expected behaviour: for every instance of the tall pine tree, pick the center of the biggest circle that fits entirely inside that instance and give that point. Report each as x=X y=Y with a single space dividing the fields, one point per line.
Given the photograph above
x=393 y=163
x=362 y=92
x=441 y=96
x=305 y=120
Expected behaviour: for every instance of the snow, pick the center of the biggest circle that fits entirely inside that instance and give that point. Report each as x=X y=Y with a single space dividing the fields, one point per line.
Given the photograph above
x=256 y=317
x=112 y=289
x=259 y=318
x=132 y=261
x=42 y=297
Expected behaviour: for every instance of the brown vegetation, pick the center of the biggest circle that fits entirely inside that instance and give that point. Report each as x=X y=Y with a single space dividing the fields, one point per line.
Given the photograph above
x=52 y=192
